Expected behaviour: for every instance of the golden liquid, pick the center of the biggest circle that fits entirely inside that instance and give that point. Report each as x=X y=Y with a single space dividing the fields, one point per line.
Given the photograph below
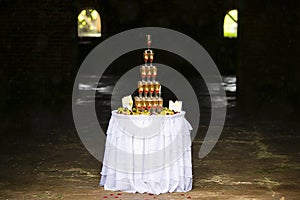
x=143 y=71
x=143 y=103
x=138 y=103
x=146 y=57
x=151 y=58
x=140 y=87
x=154 y=71
x=146 y=88
x=157 y=87
x=151 y=87
x=149 y=103
x=148 y=71
x=155 y=102
x=160 y=102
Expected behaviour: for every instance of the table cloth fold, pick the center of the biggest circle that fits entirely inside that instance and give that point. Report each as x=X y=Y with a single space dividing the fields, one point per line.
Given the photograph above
x=147 y=154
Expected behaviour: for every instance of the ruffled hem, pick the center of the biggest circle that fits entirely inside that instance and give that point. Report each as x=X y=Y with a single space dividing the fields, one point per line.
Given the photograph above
x=143 y=186
x=154 y=161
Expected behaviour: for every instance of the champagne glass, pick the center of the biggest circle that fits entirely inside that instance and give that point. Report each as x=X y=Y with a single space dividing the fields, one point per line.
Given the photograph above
x=155 y=104
x=143 y=72
x=157 y=88
x=154 y=73
x=160 y=104
x=149 y=104
x=151 y=57
x=146 y=89
x=159 y=93
x=146 y=57
x=149 y=73
x=143 y=103
x=138 y=103
x=148 y=36
x=151 y=86
x=140 y=88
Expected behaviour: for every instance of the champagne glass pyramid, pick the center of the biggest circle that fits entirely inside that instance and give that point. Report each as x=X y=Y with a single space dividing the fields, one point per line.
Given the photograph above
x=149 y=86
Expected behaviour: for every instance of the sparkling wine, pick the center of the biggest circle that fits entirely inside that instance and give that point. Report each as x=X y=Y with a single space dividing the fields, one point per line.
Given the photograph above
x=146 y=57
x=140 y=88
x=151 y=57
x=157 y=88
x=146 y=89
x=154 y=73
x=138 y=103
x=149 y=73
x=143 y=72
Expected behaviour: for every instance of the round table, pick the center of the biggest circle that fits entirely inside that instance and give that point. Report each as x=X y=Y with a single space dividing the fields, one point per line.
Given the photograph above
x=147 y=154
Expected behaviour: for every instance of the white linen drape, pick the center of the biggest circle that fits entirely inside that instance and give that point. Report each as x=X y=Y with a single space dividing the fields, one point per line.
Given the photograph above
x=147 y=154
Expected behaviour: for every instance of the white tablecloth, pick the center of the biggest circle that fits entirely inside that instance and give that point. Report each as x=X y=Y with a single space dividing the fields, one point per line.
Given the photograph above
x=147 y=154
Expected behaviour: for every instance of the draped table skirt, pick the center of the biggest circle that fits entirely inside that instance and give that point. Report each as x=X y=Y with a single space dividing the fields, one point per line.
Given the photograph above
x=147 y=154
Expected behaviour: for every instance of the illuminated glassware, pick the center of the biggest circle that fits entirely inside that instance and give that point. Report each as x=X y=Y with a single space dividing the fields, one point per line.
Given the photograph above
x=157 y=88
x=148 y=36
x=154 y=104
x=138 y=103
x=160 y=104
x=149 y=103
x=143 y=103
x=151 y=57
x=146 y=89
x=143 y=72
x=151 y=88
x=140 y=88
x=146 y=57
x=154 y=73
x=148 y=85
x=149 y=73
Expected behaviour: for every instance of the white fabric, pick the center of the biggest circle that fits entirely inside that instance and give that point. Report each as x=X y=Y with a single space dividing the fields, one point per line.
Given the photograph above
x=147 y=154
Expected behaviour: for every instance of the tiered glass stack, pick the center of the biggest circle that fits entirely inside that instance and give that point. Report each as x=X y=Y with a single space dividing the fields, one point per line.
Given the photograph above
x=149 y=100
x=149 y=89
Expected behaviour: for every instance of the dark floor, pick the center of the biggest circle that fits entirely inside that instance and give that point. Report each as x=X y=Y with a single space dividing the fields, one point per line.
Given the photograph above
x=42 y=157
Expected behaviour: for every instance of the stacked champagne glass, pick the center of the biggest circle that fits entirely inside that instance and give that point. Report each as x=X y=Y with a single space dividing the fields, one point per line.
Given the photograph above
x=148 y=88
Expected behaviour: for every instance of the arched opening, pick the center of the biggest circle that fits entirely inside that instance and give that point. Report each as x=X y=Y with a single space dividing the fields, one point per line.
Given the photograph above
x=89 y=23
x=230 y=26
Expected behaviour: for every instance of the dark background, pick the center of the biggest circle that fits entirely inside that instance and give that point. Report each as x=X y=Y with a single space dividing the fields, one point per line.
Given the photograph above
x=41 y=154
x=41 y=52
